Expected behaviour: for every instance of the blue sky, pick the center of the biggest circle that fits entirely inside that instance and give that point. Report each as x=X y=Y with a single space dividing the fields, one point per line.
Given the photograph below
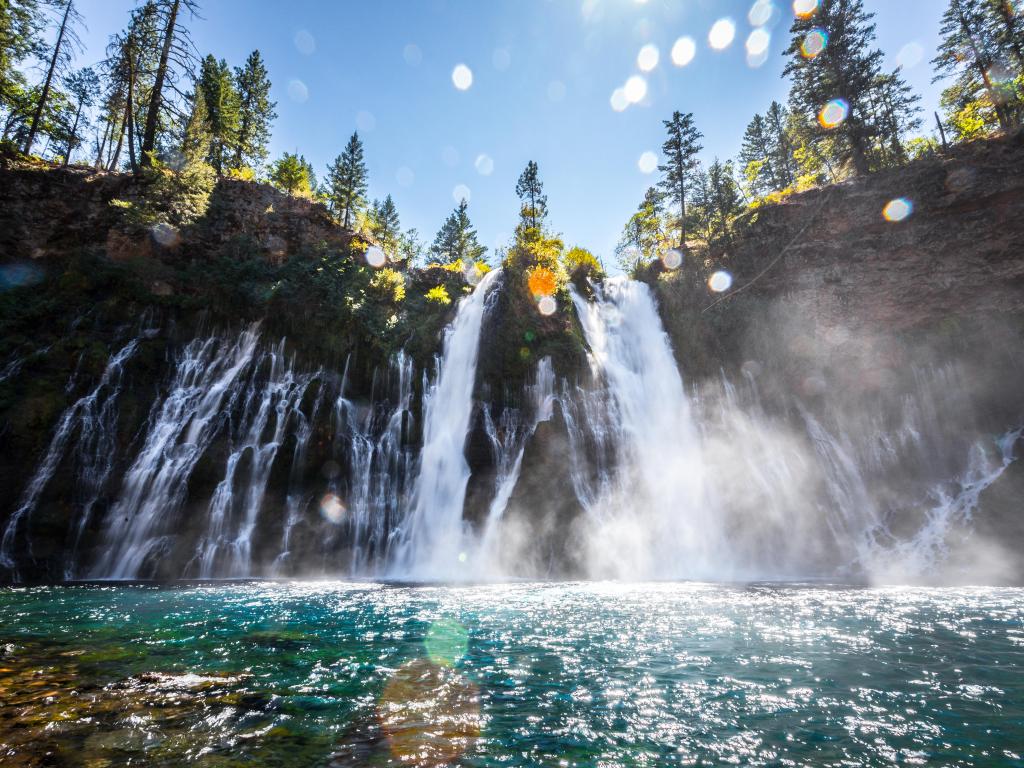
x=543 y=73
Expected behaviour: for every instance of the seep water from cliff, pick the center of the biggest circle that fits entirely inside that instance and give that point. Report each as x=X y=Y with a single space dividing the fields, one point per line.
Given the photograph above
x=250 y=465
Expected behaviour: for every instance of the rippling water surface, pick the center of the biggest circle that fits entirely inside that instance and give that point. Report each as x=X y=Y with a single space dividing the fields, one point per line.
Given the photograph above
x=314 y=674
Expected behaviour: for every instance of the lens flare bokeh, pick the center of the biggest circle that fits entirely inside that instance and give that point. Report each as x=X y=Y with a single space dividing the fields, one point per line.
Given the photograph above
x=462 y=77
x=722 y=33
x=804 y=9
x=720 y=281
x=332 y=509
x=898 y=210
x=430 y=713
x=446 y=642
x=683 y=51
x=833 y=114
x=814 y=43
x=672 y=258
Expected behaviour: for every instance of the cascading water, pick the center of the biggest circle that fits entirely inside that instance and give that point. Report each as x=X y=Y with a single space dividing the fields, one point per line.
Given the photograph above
x=653 y=519
x=432 y=541
x=94 y=419
x=509 y=437
x=251 y=466
x=180 y=429
x=226 y=548
x=380 y=463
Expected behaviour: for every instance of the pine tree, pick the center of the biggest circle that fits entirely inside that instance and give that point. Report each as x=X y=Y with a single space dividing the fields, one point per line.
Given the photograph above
x=643 y=235
x=20 y=26
x=256 y=113
x=457 y=239
x=222 y=108
x=1007 y=19
x=410 y=247
x=294 y=175
x=680 y=151
x=784 y=165
x=347 y=181
x=83 y=88
x=973 y=44
x=757 y=158
x=59 y=58
x=846 y=69
x=175 y=54
x=530 y=190
x=895 y=113
x=131 y=61
x=723 y=198
x=196 y=140
x=385 y=227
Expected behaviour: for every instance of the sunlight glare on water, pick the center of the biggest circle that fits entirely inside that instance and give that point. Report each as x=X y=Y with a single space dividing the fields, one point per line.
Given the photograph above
x=603 y=674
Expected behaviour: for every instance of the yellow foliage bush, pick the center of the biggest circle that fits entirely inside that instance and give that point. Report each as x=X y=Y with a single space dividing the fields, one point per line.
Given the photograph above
x=439 y=295
x=581 y=260
x=245 y=173
x=389 y=282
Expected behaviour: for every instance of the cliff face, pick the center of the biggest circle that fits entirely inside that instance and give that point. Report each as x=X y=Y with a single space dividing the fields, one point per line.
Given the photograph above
x=830 y=260
x=836 y=314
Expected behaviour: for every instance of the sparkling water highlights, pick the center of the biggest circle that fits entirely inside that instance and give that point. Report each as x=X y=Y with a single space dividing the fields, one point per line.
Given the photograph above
x=343 y=675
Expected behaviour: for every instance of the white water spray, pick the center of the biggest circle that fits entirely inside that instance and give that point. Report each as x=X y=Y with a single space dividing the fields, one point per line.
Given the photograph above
x=652 y=521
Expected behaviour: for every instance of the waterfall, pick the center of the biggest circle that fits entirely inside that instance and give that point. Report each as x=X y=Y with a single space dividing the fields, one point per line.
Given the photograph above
x=94 y=418
x=180 y=429
x=509 y=436
x=654 y=521
x=380 y=466
x=432 y=541
x=226 y=549
x=298 y=498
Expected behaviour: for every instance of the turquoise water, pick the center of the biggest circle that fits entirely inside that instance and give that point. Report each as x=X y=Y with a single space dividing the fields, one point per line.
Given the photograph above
x=318 y=674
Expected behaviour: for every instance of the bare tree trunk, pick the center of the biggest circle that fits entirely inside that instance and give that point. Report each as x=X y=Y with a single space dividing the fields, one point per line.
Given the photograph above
x=38 y=116
x=130 y=113
x=103 y=144
x=116 y=155
x=72 y=139
x=942 y=132
x=153 y=115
